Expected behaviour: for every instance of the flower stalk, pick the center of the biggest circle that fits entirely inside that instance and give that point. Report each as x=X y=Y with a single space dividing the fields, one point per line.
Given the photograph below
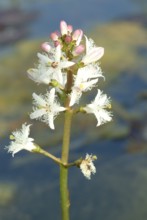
x=64 y=193
x=69 y=68
x=47 y=154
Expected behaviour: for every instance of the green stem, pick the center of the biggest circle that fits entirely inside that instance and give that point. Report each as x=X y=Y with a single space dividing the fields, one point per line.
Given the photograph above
x=75 y=163
x=65 y=203
x=47 y=154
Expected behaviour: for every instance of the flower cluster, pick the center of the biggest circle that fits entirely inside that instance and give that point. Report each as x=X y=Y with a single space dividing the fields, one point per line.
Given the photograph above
x=69 y=67
x=69 y=63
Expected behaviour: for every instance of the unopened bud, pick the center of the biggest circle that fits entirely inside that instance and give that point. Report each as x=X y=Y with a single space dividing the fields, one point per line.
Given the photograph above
x=63 y=27
x=94 y=157
x=78 y=50
x=56 y=43
x=69 y=28
x=77 y=36
x=12 y=137
x=68 y=39
x=46 y=47
x=54 y=36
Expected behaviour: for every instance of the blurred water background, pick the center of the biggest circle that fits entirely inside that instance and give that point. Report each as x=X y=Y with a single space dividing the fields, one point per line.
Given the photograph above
x=29 y=186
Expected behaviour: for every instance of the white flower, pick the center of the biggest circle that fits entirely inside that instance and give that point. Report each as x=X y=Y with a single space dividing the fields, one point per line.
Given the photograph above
x=65 y=29
x=93 y=53
x=97 y=107
x=46 y=108
x=50 y=67
x=22 y=140
x=40 y=75
x=56 y=64
x=84 y=80
x=87 y=166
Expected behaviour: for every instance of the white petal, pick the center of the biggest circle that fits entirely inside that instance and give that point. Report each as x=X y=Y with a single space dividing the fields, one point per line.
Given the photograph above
x=96 y=100
x=61 y=109
x=25 y=130
x=58 y=53
x=99 y=121
x=101 y=99
x=105 y=115
x=39 y=100
x=88 y=85
x=58 y=75
x=93 y=55
x=89 y=108
x=51 y=121
x=65 y=64
x=14 y=148
x=30 y=146
x=37 y=113
x=40 y=75
x=51 y=96
x=75 y=96
x=44 y=58
x=98 y=51
x=102 y=116
x=87 y=44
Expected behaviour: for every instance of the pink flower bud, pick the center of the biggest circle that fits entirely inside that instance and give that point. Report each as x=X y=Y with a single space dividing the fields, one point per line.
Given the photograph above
x=56 y=43
x=46 y=47
x=63 y=27
x=78 y=50
x=54 y=36
x=77 y=36
x=69 y=28
x=68 y=39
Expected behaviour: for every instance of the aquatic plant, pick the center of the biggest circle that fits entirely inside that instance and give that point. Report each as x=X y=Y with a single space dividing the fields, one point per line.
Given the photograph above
x=69 y=67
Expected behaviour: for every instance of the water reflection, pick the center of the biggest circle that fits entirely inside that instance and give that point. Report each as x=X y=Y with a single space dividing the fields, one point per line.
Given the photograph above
x=29 y=183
